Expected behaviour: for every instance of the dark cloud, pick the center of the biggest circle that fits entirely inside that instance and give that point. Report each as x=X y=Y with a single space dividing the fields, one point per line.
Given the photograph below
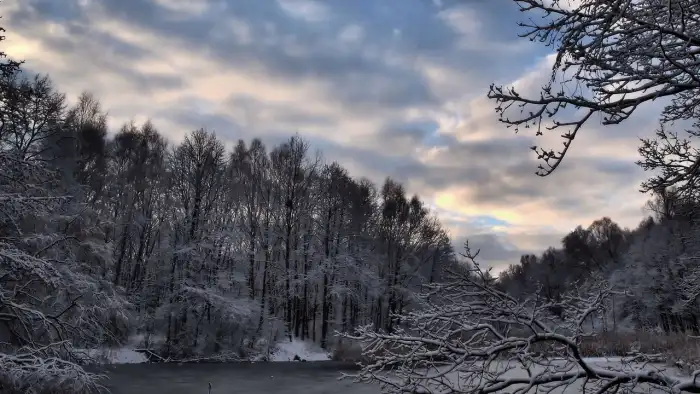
x=494 y=248
x=189 y=114
x=96 y=50
x=290 y=49
x=494 y=251
x=283 y=46
x=402 y=138
x=47 y=10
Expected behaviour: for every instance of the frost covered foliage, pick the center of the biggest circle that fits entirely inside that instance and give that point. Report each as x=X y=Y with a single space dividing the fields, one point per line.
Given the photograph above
x=48 y=299
x=472 y=337
x=221 y=250
x=34 y=371
x=654 y=265
x=51 y=295
x=662 y=295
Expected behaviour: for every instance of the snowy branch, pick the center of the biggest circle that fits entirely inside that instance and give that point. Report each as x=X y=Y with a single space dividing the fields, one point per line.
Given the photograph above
x=612 y=57
x=471 y=337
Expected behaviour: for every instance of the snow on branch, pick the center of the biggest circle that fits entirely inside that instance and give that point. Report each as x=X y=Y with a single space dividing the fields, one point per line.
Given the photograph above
x=611 y=57
x=42 y=370
x=48 y=300
x=470 y=337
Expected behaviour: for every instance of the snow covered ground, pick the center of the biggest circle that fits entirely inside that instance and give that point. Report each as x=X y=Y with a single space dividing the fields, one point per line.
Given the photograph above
x=113 y=356
x=126 y=354
x=282 y=351
x=285 y=351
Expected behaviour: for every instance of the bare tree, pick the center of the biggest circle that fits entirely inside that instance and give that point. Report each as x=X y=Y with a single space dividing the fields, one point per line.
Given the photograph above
x=292 y=172
x=33 y=113
x=611 y=57
x=675 y=161
x=84 y=137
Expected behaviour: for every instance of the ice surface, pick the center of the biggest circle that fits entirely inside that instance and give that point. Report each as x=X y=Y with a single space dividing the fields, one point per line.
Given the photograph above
x=259 y=377
x=235 y=378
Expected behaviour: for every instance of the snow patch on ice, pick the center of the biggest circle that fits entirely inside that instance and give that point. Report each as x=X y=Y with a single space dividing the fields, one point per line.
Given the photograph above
x=286 y=350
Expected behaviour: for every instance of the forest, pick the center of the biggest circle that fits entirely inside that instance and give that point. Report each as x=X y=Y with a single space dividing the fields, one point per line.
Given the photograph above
x=198 y=249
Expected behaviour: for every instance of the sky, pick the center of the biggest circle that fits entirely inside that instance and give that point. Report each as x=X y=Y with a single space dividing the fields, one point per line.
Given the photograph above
x=385 y=87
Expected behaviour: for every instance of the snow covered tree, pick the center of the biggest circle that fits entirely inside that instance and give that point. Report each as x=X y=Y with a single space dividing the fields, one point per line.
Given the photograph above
x=292 y=174
x=471 y=337
x=203 y=310
x=612 y=56
x=212 y=250
x=53 y=295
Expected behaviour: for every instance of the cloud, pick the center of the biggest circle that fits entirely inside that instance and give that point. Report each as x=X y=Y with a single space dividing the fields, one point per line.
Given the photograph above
x=387 y=88
x=307 y=10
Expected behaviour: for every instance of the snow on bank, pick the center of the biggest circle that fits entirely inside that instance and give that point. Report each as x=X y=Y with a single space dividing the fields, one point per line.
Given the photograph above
x=113 y=356
x=285 y=351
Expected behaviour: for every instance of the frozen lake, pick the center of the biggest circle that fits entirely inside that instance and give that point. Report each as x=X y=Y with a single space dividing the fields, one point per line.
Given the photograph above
x=235 y=378
x=279 y=377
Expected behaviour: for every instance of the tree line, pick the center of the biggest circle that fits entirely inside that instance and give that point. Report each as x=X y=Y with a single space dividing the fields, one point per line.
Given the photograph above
x=654 y=265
